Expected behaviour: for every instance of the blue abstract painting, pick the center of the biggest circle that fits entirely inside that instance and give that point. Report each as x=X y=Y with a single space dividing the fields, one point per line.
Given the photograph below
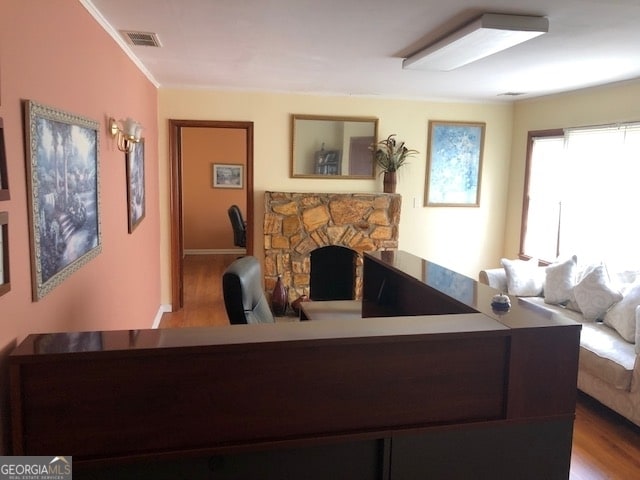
x=454 y=164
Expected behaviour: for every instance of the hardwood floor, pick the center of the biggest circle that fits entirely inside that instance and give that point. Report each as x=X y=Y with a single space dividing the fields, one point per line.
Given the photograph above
x=203 y=303
x=605 y=445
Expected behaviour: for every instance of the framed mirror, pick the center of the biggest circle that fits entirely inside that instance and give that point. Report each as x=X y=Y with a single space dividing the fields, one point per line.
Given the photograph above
x=333 y=147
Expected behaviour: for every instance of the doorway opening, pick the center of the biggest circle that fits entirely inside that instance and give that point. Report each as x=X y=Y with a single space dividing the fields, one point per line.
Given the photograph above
x=177 y=233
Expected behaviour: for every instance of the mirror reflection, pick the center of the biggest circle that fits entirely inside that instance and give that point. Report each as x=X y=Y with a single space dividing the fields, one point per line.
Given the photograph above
x=333 y=147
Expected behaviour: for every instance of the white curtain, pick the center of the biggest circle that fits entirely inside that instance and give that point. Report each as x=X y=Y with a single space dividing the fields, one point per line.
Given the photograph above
x=587 y=185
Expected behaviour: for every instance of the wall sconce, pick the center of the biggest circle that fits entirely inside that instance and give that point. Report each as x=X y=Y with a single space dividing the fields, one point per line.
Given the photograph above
x=127 y=132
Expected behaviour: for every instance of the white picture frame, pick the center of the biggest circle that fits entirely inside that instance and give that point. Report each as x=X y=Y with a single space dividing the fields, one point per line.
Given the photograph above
x=227 y=175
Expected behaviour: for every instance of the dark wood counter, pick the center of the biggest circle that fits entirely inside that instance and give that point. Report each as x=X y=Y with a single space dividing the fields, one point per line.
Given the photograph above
x=363 y=398
x=401 y=283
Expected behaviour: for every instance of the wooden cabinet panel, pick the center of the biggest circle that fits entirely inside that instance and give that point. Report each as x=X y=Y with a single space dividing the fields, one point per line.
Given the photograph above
x=341 y=461
x=119 y=405
x=523 y=451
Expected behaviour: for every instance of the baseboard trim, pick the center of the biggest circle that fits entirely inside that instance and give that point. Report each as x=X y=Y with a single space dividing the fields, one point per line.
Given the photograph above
x=214 y=251
x=158 y=318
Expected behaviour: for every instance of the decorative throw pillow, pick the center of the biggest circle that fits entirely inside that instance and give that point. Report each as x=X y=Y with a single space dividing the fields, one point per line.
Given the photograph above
x=593 y=294
x=622 y=316
x=524 y=278
x=560 y=280
x=580 y=274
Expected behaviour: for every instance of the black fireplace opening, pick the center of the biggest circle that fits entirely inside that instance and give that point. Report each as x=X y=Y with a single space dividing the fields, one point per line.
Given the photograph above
x=333 y=273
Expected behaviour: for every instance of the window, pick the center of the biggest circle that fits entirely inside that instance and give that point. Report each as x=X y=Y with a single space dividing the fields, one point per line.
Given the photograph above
x=581 y=194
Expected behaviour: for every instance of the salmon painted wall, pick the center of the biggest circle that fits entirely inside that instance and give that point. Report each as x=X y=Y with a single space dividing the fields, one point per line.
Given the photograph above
x=55 y=53
x=206 y=223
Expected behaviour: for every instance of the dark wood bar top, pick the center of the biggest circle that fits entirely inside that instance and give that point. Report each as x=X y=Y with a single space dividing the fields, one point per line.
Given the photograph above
x=469 y=294
x=336 y=330
x=466 y=291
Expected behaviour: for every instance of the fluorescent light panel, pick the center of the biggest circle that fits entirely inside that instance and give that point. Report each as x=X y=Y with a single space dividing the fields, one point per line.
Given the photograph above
x=489 y=34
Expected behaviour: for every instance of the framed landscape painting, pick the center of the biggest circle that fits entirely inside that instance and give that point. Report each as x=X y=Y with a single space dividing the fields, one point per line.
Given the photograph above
x=63 y=194
x=454 y=164
x=135 y=185
x=228 y=175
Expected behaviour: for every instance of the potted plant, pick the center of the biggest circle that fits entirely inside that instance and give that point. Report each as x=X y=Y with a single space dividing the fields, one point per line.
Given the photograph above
x=390 y=155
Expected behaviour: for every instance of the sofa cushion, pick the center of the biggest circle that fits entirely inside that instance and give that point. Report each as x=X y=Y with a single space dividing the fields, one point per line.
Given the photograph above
x=622 y=316
x=560 y=278
x=560 y=309
x=603 y=352
x=594 y=295
x=495 y=278
x=606 y=355
x=523 y=277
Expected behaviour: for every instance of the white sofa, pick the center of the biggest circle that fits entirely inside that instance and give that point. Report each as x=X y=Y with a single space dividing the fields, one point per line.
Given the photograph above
x=607 y=306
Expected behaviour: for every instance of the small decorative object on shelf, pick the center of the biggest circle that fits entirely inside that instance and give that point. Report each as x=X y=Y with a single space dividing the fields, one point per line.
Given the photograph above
x=501 y=302
x=295 y=305
x=279 y=298
x=390 y=155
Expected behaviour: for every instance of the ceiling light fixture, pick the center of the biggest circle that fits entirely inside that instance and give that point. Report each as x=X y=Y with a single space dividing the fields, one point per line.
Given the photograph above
x=488 y=34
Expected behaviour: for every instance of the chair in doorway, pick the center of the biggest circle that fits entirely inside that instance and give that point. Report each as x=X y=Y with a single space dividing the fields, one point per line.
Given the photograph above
x=238 y=225
x=243 y=295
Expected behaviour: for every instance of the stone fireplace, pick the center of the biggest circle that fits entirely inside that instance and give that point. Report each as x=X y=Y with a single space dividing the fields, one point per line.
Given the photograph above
x=295 y=224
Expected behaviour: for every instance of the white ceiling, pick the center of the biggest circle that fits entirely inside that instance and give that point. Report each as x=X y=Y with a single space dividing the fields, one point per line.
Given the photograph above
x=356 y=47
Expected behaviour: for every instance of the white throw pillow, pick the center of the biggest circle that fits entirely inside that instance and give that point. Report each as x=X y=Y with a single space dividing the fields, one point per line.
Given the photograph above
x=622 y=316
x=580 y=274
x=593 y=294
x=560 y=280
x=524 y=278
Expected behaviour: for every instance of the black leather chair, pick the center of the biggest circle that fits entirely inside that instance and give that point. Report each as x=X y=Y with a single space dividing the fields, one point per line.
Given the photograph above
x=239 y=226
x=244 y=297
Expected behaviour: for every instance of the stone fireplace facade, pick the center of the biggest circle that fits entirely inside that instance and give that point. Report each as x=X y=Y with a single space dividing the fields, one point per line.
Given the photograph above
x=295 y=224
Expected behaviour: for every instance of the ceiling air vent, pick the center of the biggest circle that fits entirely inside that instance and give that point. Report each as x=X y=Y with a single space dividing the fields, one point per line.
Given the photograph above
x=511 y=94
x=141 y=39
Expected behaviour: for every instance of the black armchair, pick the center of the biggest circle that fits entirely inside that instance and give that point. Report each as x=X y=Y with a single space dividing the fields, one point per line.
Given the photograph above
x=244 y=297
x=239 y=226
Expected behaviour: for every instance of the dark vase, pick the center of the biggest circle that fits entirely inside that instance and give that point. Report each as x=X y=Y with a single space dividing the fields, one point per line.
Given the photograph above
x=279 y=299
x=389 y=182
x=295 y=305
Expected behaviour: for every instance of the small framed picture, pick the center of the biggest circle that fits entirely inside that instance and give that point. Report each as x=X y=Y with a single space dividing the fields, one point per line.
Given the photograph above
x=227 y=175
